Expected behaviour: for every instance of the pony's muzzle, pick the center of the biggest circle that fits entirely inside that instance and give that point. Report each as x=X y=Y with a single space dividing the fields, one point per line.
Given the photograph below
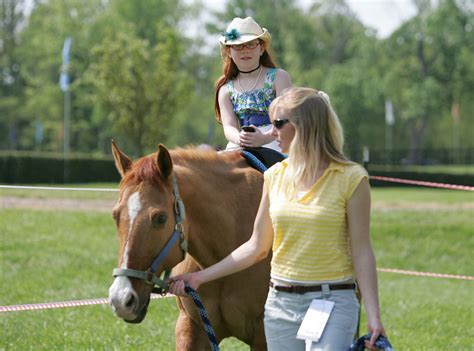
x=123 y=299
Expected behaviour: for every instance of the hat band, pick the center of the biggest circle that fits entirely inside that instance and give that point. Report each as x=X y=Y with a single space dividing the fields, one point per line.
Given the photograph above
x=252 y=34
x=234 y=34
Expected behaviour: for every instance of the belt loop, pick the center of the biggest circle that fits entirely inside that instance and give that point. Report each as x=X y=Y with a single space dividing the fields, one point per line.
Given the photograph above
x=273 y=289
x=325 y=292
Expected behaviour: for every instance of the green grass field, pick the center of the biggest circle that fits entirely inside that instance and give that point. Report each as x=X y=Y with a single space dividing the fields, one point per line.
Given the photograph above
x=54 y=255
x=64 y=194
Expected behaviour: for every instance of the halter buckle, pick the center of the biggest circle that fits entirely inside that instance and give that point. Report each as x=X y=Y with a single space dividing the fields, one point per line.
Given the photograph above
x=149 y=277
x=160 y=291
x=179 y=228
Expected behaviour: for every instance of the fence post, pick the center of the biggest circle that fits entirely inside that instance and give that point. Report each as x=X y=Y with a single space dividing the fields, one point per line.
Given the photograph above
x=365 y=157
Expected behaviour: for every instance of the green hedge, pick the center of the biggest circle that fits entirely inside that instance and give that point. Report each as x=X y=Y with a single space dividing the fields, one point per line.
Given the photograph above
x=24 y=168
x=16 y=168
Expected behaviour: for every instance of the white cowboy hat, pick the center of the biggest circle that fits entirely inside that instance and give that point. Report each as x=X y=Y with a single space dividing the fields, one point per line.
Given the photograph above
x=243 y=30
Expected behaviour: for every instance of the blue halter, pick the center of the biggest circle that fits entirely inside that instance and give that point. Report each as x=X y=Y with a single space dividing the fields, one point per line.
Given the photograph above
x=159 y=285
x=149 y=276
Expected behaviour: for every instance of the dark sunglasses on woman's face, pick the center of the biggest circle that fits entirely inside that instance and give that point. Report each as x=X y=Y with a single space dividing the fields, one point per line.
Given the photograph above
x=279 y=123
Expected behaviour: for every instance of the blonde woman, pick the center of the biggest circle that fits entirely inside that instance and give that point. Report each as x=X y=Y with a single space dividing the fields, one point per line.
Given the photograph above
x=249 y=83
x=315 y=216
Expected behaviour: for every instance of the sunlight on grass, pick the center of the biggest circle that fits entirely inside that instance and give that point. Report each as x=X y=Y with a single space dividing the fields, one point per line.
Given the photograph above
x=57 y=256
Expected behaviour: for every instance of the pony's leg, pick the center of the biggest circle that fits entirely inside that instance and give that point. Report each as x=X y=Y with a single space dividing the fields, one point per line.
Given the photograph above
x=189 y=332
x=190 y=336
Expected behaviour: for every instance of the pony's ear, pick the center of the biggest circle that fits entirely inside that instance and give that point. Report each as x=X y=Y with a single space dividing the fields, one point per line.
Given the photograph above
x=122 y=161
x=164 y=162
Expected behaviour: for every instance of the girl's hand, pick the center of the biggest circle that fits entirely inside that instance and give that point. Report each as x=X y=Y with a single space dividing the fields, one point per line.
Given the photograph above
x=252 y=139
x=177 y=283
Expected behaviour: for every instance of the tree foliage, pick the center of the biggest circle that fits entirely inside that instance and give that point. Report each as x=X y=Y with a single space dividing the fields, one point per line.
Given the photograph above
x=11 y=19
x=139 y=84
x=139 y=75
x=425 y=62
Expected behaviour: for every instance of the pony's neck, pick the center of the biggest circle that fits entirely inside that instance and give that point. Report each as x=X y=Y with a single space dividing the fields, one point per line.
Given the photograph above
x=216 y=196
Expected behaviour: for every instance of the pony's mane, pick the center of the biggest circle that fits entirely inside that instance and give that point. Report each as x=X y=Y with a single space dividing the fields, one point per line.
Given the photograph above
x=146 y=168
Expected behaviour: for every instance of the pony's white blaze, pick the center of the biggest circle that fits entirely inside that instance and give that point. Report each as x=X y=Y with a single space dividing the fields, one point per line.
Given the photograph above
x=134 y=206
x=121 y=292
x=125 y=257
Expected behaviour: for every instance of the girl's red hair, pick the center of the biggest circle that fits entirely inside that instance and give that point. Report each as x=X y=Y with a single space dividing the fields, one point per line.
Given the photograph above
x=231 y=71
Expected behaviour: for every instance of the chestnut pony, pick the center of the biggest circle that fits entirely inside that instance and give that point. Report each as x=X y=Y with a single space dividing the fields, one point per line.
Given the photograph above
x=221 y=194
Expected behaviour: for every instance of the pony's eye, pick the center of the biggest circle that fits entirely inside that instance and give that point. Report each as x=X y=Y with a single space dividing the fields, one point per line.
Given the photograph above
x=159 y=219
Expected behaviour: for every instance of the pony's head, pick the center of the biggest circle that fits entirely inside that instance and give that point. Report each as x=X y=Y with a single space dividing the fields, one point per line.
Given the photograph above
x=148 y=217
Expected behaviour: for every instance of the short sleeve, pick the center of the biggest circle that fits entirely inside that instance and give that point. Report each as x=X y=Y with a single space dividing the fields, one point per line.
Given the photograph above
x=270 y=176
x=267 y=178
x=355 y=175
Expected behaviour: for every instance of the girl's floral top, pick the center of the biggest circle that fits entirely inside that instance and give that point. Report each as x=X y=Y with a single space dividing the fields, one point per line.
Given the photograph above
x=252 y=107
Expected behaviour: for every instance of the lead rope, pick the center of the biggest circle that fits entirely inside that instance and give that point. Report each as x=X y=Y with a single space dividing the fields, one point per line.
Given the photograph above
x=180 y=215
x=211 y=334
x=381 y=343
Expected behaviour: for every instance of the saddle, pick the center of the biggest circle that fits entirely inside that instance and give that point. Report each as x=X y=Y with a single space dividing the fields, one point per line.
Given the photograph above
x=262 y=158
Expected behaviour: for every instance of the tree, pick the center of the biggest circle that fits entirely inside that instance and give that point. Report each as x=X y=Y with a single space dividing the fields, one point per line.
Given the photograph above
x=138 y=84
x=39 y=54
x=145 y=82
x=11 y=20
x=425 y=62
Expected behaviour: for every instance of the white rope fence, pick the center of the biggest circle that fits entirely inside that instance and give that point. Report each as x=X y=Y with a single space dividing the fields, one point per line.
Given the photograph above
x=426 y=274
x=63 y=304
x=98 y=301
x=103 y=301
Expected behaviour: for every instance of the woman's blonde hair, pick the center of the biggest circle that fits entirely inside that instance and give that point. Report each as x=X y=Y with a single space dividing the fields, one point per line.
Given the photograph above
x=318 y=134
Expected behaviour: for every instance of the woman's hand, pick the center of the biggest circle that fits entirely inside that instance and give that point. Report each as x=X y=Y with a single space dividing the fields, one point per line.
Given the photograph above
x=177 y=283
x=375 y=328
x=252 y=139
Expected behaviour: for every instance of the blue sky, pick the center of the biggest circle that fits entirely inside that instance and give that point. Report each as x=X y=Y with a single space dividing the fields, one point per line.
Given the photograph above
x=383 y=15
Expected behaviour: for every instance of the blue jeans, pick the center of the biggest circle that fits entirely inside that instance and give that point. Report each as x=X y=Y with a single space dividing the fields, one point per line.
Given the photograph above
x=284 y=313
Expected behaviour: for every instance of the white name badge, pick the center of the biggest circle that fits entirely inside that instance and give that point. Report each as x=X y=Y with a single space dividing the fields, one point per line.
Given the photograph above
x=315 y=320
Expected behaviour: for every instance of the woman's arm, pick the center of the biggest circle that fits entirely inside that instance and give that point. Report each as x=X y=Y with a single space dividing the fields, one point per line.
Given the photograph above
x=358 y=218
x=228 y=117
x=246 y=255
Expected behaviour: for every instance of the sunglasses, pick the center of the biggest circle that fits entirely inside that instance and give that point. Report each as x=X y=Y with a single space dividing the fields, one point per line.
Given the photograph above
x=250 y=46
x=279 y=123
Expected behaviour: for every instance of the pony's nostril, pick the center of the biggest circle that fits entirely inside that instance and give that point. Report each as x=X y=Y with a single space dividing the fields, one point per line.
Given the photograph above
x=129 y=301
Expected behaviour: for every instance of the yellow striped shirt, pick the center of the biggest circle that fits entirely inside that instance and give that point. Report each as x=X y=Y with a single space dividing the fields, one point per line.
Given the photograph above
x=311 y=241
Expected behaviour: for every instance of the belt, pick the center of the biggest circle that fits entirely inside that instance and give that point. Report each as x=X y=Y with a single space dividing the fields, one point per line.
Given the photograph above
x=302 y=289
